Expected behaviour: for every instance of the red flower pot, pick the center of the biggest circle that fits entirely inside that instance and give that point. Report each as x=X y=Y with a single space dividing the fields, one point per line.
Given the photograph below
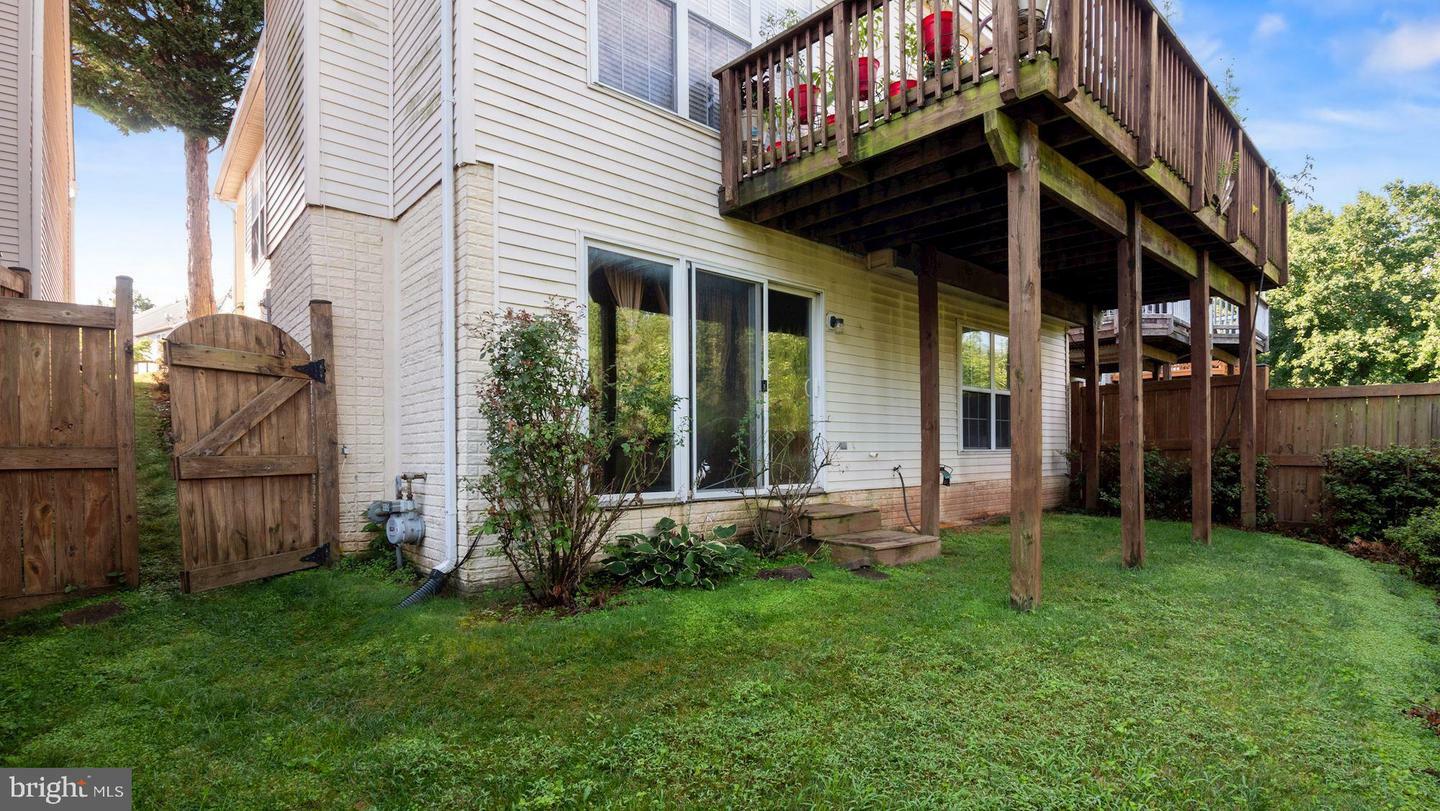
x=802 y=99
x=910 y=84
x=866 y=69
x=947 y=35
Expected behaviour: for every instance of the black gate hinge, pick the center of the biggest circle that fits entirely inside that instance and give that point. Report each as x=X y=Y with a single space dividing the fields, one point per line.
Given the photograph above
x=315 y=370
x=321 y=555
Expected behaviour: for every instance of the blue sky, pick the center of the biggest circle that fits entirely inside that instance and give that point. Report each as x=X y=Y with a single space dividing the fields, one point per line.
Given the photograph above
x=1355 y=83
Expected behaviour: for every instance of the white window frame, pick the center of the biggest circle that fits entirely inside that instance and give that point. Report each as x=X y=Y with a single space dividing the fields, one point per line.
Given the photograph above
x=683 y=9
x=682 y=365
x=960 y=387
x=256 y=205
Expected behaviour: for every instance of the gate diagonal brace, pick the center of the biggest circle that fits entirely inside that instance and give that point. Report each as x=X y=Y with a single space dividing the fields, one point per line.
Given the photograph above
x=315 y=370
x=321 y=555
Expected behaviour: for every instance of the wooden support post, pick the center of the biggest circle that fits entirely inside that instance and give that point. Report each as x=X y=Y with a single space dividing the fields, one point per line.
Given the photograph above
x=844 y=85
x=1007 y=50
x=1232 y=214
x=1026 y=454
x=1200 y=408
x=1249 y=379
x=1149 y=57
x=1132 y=441
x=732 y=136
x=1067 y=48
x=1090 y=430
x=929 y=289
x=327 y=433
x=1200 y=156
x=125 y=430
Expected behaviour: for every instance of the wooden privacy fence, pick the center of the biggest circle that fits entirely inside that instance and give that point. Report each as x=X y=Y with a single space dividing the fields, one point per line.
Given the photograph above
x=67 y=456
x=1294 y=428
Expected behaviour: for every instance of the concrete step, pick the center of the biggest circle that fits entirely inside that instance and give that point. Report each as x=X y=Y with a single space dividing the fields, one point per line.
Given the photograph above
x=828 y=520
x=882 y=547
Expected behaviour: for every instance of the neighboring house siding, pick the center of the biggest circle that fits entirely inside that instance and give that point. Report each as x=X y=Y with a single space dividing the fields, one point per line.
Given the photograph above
x=12 y=175
x=54 y=265
x=579 y=160
x=354 y=97
x=284 y=116
x=416 y=100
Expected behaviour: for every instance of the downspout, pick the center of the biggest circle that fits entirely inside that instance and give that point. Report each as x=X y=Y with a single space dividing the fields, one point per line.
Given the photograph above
x=448 y=333
x=447 y=281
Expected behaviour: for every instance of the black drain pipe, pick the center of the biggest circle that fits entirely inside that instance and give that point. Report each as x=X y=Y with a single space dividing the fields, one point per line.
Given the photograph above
x=431 y=585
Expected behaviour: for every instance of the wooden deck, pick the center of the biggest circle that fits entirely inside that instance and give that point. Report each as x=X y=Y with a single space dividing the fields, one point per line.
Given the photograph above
x=1065 y=156
x=1124 y=116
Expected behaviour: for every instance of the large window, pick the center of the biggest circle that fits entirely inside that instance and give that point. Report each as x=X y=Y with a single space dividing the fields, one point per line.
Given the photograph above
x=664 y=51
x=631 y=355
x=984 y=390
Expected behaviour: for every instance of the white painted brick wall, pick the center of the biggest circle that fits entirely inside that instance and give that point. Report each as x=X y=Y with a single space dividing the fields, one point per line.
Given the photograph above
x=339 y=256
x=420 y=380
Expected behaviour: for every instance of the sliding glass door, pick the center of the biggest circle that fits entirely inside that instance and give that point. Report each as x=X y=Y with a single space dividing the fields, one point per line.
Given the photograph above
x=754 y=407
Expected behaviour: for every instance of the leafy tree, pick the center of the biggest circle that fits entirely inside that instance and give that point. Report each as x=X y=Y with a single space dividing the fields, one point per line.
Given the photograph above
x=169 y=63
x=1363 y=302
x=141 y=302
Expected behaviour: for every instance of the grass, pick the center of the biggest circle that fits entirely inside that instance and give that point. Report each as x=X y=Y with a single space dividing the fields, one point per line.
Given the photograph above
x=1258 y=672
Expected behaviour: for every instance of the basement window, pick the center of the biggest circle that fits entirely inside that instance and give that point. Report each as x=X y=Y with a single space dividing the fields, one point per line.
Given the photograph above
x=984 y=390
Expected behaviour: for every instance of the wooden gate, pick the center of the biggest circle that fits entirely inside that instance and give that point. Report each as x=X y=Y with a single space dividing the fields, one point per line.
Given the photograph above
x=255 y=450
x=67 y=456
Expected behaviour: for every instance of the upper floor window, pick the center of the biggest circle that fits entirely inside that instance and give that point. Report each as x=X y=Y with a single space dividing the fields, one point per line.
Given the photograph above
x=255 y=251
x=664 y=51
x=984 y=390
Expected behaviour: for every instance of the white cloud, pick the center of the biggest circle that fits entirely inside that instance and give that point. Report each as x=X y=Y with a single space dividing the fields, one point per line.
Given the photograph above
x=1411 y=47
x=1270 y=25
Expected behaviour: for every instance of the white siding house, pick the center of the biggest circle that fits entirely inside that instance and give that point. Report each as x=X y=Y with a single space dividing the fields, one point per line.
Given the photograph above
x=584 y=142
x=37 y=165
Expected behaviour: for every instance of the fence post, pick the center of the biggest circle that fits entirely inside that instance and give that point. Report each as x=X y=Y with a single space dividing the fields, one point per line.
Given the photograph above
x=327 y=440
x=125 y=430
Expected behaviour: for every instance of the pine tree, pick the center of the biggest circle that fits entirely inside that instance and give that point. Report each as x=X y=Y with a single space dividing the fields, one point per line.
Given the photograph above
x=169 y=63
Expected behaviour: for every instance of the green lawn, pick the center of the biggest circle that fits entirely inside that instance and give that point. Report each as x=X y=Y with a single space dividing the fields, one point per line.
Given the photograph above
x=1259 y=672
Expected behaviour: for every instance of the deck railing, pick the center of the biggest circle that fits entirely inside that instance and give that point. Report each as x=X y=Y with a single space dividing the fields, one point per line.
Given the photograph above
x=857 y=65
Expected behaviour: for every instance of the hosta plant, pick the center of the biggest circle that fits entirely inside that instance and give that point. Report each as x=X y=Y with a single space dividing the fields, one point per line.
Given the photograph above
x=675 y=557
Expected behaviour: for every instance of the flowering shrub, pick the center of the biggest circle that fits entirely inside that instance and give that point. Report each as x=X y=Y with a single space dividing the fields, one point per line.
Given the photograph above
x=551 y=504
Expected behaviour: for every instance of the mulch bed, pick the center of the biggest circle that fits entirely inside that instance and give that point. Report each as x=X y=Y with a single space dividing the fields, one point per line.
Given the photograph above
x=92 y=614
x=790 y=573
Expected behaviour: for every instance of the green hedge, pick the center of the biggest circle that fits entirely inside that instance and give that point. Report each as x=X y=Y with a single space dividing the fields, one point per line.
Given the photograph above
x=1369 y=491
x=1167 y=485
x=1419 y=542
